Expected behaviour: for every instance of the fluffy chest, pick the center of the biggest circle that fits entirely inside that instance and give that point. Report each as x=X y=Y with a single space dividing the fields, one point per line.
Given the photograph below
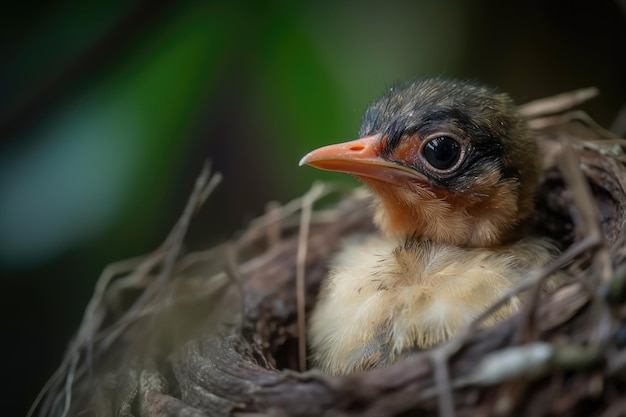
x=402 y=298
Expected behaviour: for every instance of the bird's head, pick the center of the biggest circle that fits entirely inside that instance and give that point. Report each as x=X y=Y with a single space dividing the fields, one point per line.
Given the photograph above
x=449 y=161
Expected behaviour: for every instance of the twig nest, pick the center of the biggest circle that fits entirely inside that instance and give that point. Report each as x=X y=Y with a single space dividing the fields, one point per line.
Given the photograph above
x=216 y=332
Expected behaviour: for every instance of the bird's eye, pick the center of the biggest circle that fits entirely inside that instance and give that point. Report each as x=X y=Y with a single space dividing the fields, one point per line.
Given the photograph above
x=442 y=152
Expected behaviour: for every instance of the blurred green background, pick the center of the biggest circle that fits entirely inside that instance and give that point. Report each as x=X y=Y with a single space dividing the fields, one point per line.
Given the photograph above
x=108 y=110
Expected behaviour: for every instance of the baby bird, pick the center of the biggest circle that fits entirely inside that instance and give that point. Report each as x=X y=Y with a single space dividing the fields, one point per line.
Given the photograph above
x=454 y=169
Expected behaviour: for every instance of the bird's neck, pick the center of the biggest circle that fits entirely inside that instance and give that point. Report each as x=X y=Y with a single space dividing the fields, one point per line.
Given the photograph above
x=427 y=214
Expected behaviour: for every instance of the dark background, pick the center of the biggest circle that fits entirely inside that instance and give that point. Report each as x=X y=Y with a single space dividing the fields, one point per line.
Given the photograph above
x=108 y=109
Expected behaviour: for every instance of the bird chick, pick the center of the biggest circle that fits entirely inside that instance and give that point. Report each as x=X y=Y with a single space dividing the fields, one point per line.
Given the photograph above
x=454 y=169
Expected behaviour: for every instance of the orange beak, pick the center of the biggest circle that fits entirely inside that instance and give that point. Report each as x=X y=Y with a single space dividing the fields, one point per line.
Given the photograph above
x=360 y=157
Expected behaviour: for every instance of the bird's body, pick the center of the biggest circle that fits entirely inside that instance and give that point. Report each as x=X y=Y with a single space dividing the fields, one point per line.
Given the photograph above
x=382 y=301
x=453 y=169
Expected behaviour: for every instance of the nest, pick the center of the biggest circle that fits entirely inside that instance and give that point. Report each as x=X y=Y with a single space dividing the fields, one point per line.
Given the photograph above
x=222 y=331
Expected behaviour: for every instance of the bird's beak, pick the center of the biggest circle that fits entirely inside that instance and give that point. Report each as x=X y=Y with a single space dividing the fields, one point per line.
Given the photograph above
x=360 y=157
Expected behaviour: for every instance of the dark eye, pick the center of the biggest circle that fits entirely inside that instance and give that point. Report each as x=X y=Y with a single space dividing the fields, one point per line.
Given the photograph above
x=442 y=152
